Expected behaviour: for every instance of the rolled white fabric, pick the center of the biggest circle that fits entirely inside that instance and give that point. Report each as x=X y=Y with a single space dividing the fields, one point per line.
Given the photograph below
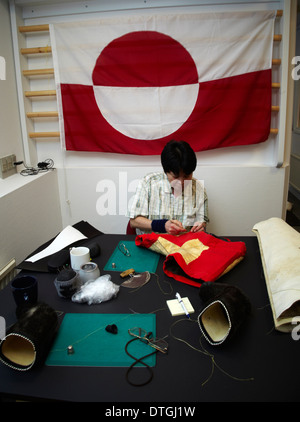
x=279 y=247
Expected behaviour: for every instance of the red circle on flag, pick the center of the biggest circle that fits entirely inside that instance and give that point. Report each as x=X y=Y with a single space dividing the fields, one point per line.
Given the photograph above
x=145 y=85
x=144 y=59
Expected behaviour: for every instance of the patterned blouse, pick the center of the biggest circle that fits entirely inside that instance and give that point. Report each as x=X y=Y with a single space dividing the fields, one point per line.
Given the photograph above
x=154 y=199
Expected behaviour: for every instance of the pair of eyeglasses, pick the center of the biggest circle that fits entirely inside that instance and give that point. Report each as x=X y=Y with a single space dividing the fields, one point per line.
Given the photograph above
x=159 y=344
x=123 y=249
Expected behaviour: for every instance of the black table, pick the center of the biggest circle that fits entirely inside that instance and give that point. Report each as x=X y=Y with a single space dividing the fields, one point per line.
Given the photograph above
x=259 y=364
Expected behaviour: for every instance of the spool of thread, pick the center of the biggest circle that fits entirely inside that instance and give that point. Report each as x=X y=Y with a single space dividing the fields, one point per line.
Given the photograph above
x=66 y=283
x=88 y=272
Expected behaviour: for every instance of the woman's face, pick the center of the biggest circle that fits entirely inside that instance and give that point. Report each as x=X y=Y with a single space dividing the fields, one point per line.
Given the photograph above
x=177 y=182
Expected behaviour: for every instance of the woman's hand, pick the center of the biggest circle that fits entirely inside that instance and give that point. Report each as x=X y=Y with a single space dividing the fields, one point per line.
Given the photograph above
x=174 y=227
x=198 y=227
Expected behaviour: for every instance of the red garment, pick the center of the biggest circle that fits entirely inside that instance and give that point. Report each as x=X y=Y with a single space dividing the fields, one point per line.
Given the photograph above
x=194 y=257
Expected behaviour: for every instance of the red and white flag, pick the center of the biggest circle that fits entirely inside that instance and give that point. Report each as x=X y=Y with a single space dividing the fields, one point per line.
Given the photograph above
x=130 y=84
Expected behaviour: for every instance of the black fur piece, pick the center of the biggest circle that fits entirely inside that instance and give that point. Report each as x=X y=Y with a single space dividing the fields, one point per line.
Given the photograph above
x=112 y=329
x=235 y=307
x=35 y=330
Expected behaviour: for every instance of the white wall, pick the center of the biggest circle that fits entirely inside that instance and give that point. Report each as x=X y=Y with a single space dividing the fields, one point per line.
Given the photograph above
x=238 y=196
x=243 y=184
x=295 y=148
x=29 y=206
x=10 y=134
x=30 y=215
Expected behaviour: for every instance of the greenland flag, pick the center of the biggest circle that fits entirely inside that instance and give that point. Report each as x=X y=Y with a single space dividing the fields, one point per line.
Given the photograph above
x=129 y=84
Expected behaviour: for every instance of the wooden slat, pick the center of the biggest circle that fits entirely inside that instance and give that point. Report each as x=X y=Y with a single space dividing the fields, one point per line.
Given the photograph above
x=47 y=93
x=37 y=28
x=44 y=134
x=38 y=72
x=36 y=50
x=35 y=114
x=275 y=108
x=273 y=131
x=34 y=28
x=45 y=27
x=53 y=92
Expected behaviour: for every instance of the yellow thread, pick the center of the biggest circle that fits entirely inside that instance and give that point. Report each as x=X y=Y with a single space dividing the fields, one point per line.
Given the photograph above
x=88 y=335
x=205 y=352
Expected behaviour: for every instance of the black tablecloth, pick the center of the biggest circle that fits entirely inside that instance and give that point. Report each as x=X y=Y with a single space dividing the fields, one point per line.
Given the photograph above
x=259 y=364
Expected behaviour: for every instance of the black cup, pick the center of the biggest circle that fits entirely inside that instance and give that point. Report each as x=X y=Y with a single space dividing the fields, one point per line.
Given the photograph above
x=25 y=290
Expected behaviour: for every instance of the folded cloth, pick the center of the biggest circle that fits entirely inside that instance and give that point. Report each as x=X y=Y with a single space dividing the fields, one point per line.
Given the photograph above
x=279 y=247
x=88 y=232
x=194 y=257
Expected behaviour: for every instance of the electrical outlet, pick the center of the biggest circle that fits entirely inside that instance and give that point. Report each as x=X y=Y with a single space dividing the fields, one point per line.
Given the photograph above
x=7 y=167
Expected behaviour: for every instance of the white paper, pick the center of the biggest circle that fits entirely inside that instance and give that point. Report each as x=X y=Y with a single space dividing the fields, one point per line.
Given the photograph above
x=176 y=309
x=68 y=236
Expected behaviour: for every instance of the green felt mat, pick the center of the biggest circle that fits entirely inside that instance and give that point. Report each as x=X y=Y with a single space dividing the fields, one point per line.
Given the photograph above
x=141 y=259
x=94 y=346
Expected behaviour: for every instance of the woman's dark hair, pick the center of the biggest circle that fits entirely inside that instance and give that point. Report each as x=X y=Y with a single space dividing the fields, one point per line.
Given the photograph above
x=178 y=156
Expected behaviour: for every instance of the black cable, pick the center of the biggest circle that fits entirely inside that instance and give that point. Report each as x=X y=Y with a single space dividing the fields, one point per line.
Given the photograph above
x=42 y=166
x=138 y=360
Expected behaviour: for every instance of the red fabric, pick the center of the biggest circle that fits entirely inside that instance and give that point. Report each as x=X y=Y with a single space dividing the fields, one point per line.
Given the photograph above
x=129 y=229
x=214 y=259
